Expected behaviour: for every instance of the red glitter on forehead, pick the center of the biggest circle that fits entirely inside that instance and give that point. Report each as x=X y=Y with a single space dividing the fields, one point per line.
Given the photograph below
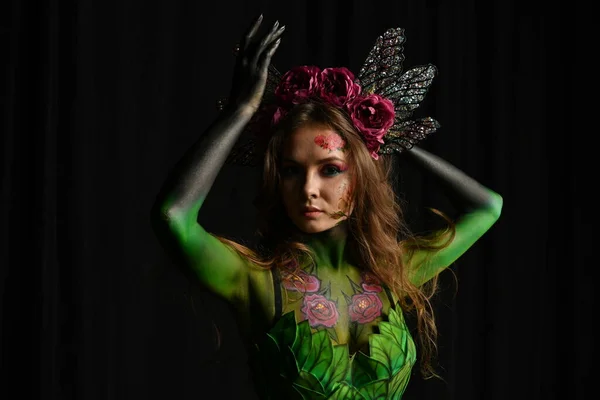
x=330 y=142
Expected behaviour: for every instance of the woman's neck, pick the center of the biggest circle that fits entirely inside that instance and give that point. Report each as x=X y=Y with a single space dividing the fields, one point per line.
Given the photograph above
x=329 y=247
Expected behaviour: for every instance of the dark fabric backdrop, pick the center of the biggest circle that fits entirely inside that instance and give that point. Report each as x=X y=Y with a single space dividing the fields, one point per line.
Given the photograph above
x=101 y=98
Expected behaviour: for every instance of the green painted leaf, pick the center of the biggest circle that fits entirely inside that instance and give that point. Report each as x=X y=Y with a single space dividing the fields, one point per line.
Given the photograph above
x=284 y=331
x=269 y=356
x=387 y=329
x=343 y=391
x=321 y=352
x=395 y=317
x=289 y=366
x=397 y=385
x=386 y=351
x=376 y=390
x=308 y=384
x=303 y=343
x=339 y=368
x=397 y=336
x=356 y=288
x=366 y=370
x=347 y=298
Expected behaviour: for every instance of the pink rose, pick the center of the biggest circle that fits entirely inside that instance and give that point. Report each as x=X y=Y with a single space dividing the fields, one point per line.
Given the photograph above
x=370 y=283
x=319 y=311
x=337 y=86
x=372 y=115
x=299 y=281
x=298 y=84
x=365 y=307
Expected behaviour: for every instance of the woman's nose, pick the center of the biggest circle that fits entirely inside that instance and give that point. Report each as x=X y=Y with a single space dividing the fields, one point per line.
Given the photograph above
x=310 y=189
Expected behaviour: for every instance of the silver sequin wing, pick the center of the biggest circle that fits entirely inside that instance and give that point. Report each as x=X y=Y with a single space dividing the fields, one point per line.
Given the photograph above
x=384 y=62
x=407 y=93
x=382 y=74
x=408 y=133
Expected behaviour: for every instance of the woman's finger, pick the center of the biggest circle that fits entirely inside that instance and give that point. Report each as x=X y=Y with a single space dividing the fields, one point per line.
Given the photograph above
x=251 y=32
x=268 y=42
x=267 y=38
x=268 y=54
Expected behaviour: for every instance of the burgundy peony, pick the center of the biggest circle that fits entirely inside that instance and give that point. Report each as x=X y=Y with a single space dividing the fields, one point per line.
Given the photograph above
x=365 y=307
x=337 y=86
x=372 y=115
x=298 y=84
x=319 y=311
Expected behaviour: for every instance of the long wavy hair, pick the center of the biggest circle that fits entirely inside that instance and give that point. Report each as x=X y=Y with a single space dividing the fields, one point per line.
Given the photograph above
x=383 y=243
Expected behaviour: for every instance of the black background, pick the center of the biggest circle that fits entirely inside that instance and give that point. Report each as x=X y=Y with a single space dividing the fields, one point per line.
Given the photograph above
x=101 y=98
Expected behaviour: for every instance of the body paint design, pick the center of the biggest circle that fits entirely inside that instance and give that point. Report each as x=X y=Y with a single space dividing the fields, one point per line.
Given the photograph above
x=321 y=311
x=364 y=305
x=330 y=142
x=370 y=283
x=343 y=202
x=299 y=281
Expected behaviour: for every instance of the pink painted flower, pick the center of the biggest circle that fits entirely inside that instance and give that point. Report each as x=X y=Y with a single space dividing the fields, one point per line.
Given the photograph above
x=370 y=283
x=319 y=311
x=372 y=115
x=299 y=281
x=298 y=84
x=337 y=86
x=330 y=142
x=365 y=307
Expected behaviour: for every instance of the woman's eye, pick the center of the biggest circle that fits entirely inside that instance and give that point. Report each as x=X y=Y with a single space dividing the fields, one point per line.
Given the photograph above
x=287 y=171
x=331 y=170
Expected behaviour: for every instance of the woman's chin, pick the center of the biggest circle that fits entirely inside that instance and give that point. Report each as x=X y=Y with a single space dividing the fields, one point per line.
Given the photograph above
x=315 y=227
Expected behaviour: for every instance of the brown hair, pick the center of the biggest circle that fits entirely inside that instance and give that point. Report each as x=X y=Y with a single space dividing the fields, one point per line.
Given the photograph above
x=382 y=240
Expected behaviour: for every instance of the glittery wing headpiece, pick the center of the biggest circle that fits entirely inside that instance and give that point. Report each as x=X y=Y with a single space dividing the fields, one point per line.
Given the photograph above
x=381 y=74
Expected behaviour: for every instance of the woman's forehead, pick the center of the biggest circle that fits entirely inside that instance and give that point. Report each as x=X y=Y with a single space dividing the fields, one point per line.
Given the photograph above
x=314 y=141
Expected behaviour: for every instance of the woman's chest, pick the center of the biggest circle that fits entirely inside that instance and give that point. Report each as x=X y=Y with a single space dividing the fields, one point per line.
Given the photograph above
x=347 y=304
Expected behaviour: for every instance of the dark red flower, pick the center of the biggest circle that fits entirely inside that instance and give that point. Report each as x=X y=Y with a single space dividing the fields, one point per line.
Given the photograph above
x=298 y=84
x=337 y=86
x=372 y=115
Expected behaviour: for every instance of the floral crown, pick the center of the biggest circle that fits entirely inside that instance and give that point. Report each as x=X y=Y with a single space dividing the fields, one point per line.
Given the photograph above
x=379 y=102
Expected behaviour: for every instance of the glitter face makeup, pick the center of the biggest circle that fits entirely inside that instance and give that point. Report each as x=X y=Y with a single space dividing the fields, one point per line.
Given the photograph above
x=330 y=142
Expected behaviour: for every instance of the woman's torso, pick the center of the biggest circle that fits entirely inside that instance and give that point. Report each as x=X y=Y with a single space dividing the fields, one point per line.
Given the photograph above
x=334 y=331
x=347 y=304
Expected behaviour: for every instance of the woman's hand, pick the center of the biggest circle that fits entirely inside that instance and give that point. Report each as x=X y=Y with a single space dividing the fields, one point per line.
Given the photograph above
x=252 y=65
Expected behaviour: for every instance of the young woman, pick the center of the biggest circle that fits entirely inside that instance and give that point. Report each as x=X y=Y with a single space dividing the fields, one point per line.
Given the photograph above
x=321 y=301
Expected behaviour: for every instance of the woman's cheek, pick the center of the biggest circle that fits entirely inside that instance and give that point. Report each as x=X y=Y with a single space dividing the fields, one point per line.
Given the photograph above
x=345 y=197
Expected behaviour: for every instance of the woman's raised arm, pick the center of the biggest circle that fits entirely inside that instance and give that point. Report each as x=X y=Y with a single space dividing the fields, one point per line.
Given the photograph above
x=479 y=207
x=175 y=212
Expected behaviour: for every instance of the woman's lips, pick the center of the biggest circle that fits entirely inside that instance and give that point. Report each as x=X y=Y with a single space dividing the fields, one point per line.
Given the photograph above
x=311 y=214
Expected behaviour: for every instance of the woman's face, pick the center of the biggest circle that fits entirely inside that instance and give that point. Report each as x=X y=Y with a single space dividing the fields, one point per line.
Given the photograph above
x=315 y=179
